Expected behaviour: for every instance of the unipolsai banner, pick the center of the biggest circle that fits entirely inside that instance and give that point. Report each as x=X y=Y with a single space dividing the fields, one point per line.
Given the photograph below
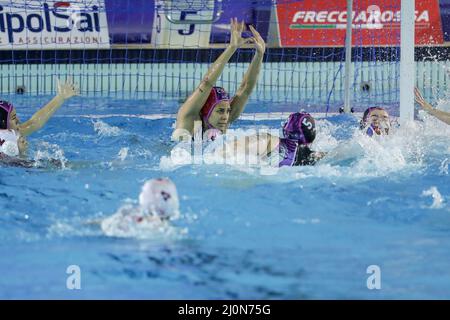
x=77 y=24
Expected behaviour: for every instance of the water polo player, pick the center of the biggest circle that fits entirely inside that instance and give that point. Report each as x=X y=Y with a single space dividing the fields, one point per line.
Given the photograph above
x=375 y=121
x=293 y=148
x=158 y=204
x=212 y=105
x=13 y=133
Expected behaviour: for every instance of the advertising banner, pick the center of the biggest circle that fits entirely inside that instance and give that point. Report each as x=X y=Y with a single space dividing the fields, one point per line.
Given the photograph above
x=130 y=22
x=321 y=23
x=256 y=13
x=95 y=24
x=76 y=24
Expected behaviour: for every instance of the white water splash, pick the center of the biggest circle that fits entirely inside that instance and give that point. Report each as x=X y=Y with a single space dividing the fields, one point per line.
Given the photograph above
x=443 y=169
x=438 y=200
x=381 y=156
x=406 y=150
x=49 y=153
x=326 y=140
x=123 y=154
x=105 y=130
x=70 y=228
x=122 y=224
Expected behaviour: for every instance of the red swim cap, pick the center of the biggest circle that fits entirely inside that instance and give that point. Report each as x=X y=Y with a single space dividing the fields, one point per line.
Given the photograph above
x=217 y=95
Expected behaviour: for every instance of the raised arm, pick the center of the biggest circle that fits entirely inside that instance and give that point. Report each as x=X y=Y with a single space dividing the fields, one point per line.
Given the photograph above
x=250 y=78
x=66 y=90
x=190 y=109
x=441 y=115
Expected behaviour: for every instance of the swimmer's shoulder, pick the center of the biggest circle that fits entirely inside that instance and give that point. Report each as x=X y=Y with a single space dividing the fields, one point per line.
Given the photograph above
x=185 y=129
x=181 y=134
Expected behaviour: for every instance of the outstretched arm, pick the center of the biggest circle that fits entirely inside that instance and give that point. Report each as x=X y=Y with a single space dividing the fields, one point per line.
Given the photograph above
x=66 y=90
x=190 y=109
x=250 y=77
x=441 y=115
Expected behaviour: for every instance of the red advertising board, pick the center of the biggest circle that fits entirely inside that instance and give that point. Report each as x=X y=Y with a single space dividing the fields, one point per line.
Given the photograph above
x=319 y=23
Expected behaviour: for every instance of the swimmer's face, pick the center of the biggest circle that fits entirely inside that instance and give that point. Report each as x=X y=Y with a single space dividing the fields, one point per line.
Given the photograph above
x=220 y=116
x=379 y=120
x=13 y=120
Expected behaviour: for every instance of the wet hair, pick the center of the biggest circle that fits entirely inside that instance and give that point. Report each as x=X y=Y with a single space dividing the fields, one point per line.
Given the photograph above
x=304 y=157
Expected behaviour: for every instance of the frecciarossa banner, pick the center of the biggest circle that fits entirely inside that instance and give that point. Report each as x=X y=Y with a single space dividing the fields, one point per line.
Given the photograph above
x=321 y=23
x=77 y=24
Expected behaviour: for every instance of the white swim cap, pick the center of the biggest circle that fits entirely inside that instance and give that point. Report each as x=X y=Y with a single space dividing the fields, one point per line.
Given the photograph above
x=160 y=198
x=10 y=149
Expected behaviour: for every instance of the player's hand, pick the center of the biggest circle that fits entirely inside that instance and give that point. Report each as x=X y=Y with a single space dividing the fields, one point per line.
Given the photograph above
x=67 y=89
x=420 y=100
x=237 y=40
x=258 y=41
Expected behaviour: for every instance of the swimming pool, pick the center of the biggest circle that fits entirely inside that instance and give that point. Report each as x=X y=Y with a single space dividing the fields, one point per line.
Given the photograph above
x=304 y=233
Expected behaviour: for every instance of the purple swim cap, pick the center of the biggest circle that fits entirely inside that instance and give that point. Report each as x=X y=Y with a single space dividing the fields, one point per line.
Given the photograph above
x=300 y=126
x=5 y=110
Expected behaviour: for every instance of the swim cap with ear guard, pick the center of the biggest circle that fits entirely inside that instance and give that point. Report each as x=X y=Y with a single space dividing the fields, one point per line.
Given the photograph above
x=159 y=197
x=217 y=95
x=301 y=127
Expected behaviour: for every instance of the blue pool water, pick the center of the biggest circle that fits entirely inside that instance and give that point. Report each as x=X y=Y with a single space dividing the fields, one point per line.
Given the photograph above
x=302 y=233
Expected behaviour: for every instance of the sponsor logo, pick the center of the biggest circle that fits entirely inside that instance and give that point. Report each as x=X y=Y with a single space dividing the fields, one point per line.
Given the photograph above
x=319 y=23
x=372 y=18
x=40 y=24
x=56 y=19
